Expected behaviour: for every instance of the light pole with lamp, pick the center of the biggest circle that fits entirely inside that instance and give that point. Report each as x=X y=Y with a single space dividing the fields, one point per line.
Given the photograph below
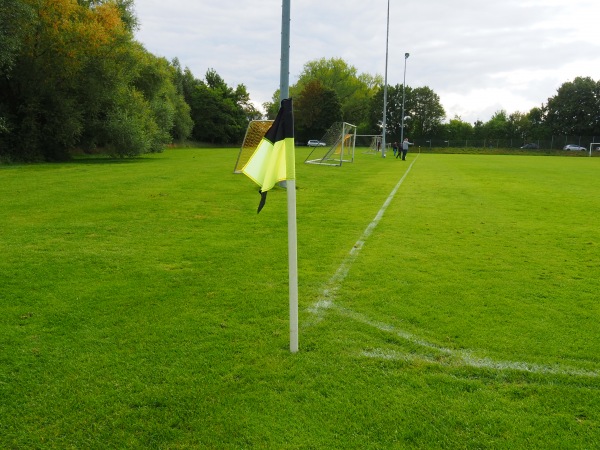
x=406 y=55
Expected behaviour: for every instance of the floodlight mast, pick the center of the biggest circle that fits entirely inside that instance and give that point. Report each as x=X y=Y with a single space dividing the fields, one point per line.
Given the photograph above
x=406 y=55
x=387 y=36
x=284 y=92
x=284 y=72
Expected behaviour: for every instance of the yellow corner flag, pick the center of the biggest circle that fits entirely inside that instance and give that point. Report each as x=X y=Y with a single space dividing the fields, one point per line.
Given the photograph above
x=274 y=158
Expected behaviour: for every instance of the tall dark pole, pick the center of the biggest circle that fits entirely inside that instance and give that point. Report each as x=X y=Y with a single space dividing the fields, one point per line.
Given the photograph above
x=284 y=72
x=387 y=37
x=406 y=55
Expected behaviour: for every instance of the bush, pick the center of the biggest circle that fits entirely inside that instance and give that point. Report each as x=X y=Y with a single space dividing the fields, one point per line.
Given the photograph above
x=131 y=128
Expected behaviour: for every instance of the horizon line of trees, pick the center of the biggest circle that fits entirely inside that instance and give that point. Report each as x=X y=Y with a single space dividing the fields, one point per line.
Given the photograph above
x=73 y=78
x=329 y=90
x=573 y=112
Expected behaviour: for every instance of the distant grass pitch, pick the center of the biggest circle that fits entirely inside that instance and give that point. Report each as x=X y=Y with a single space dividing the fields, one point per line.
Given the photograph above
x=143 y=304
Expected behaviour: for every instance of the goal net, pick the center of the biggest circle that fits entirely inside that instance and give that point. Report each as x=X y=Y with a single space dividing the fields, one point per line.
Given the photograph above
x=369 y=143
x=595 y=148
x=254 y=133
x=338 y=146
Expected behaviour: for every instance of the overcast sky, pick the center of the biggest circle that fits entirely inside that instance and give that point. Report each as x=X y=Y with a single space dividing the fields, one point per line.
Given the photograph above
x=479 y=56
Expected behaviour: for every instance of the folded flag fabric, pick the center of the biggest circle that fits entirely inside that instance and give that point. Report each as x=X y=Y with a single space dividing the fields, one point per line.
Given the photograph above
x=274 y=158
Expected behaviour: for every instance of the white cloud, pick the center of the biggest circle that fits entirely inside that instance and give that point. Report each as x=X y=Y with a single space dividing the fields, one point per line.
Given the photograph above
x=478 y=56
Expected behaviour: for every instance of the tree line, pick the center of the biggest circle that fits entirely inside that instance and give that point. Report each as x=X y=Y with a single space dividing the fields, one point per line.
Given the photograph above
x=73 y=78
x=573 y=112
x=329 y=90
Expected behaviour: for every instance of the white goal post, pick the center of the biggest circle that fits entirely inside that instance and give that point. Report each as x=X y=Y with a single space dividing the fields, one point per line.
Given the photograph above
x=594 y=146
x=337 y=146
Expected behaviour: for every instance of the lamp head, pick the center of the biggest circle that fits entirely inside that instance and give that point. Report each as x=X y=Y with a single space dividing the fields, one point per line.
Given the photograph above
x=406 y=55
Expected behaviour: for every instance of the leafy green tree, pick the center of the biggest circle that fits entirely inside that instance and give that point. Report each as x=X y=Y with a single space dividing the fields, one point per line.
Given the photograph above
x=80 y=80
x=14 y=14
x=211 y=115
x=425 y=110
x=518 y=126
x=393 y=117
x=497 y=127
x=538 y=128
x=130 y=127
x=458 y=130
x=182 y=121
x=125 y=10
x=316 y=109
x=158 y=81
x=479 y=132
x=220 y=114
x=46 y=95
x=353 y=90
x=575 y=109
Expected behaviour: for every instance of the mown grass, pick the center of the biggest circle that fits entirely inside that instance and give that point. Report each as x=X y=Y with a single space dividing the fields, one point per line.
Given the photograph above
x=143 y=304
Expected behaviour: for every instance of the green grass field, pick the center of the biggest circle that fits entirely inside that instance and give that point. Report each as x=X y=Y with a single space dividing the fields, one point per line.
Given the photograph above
x=144 y=304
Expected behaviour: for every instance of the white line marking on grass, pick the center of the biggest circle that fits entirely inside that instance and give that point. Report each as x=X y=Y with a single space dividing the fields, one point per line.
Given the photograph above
x=436 y=354
x=484 y=363
x=451 y=357
x=331 y=287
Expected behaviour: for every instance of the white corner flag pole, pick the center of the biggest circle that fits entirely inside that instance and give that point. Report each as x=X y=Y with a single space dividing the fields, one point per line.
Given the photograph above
x=284 y=88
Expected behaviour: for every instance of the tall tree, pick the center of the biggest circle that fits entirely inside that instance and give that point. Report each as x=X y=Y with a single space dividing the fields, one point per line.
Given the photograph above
x=353 y=90
x=14 y=15
x=80 y=80
x=479 y=132
x=538 y=129
x=575 y=109
x=61 y=41
x=316 y=109
x=219 y=112
x=518 y=126
x=182 y=126
x=458 y=130
x=425 y=111
x=497 y=126
x=125 y=8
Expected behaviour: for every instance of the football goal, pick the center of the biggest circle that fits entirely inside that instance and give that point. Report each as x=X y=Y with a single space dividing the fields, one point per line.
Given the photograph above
x=370 y=142
x=254 y=133
x=340 y=141
x=594 y=147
